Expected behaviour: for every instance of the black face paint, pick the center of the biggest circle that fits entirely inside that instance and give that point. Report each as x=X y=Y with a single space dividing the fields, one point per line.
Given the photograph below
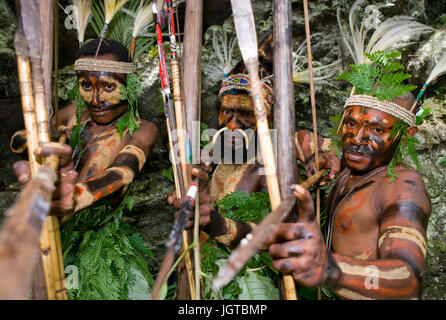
x=97 y=75
x=106 y=105
x=242 y=126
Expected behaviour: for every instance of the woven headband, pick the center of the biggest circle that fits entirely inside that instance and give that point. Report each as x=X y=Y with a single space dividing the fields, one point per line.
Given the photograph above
x=385 y=106
x=88 y=64
x=235 y=83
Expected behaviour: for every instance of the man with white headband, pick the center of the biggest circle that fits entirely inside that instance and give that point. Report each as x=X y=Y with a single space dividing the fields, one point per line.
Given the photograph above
x=378 y=211
x=109 y=146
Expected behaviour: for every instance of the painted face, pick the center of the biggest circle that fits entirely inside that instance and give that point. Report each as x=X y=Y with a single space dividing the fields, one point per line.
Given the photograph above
x=237 y=112
x=101 y=93
x=366 y=139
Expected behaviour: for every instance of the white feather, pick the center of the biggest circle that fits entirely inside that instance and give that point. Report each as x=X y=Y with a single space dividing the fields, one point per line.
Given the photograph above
x=111 y=8
x=396 y=32
x=320 y=72
x=223 y=57
x=393 y=33
x=439 y=69
x=143 y=18
x=80 y=17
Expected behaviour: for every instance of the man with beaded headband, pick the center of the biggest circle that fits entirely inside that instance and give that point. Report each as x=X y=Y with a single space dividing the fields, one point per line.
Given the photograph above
x=378 y=208
x=109 y=145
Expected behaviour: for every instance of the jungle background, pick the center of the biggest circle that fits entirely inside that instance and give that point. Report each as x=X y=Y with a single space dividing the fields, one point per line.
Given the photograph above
x=151 y=215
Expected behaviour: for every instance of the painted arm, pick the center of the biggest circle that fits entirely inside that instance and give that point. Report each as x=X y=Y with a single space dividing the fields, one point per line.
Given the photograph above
x=397 y=272
x=116 y=179
x=113 y=181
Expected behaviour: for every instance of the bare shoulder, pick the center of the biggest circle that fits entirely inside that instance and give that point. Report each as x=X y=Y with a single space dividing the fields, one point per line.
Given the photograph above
x=408 y=186
x=66 y=114
x=147 y=130
x=145 y=138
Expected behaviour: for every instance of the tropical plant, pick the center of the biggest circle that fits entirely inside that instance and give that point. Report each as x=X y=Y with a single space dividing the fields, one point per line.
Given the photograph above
x=393 y=33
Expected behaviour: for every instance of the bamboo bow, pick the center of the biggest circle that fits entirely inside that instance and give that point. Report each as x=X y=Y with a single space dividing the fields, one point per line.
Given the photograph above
x=31 y=46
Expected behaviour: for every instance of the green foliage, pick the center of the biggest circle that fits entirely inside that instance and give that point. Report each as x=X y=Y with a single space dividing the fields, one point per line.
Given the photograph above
x=422 y=115
x=335 y=136
x=312 y=293
x=243 y=206
x=109 y=257
x=203 y=128
x=382 y=78
x=257 y=287
x=405 y=143
x=256 y=280
x=130 y=93
x=168 y=173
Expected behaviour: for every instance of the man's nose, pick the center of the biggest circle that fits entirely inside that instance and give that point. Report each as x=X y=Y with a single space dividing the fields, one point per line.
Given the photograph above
x=96 y=101
x=233 y=124
x=360 y=136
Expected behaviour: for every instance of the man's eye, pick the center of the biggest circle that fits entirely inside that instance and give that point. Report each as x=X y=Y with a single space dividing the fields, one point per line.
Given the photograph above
x=86 y=85
x=378 y=130
x=109 y=87
x=350 y=124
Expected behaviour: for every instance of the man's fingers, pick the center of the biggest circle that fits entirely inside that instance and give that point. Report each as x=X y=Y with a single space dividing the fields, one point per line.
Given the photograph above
x=287 y=232
x=173 y=200
x=283 y=265
x=68 y=176
x=64 y=151
x=285 y=250
x=22 y=171
x=199 y=173
x=205 y=166
x=306 y=207
x=296 y=266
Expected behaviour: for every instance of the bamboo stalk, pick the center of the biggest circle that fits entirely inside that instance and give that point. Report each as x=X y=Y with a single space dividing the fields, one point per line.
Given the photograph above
x=192 y=103
x=284 y=113
x=27 y=98
x=180 y=120
x=56 y=66
x=313 y=113
x=50 y=237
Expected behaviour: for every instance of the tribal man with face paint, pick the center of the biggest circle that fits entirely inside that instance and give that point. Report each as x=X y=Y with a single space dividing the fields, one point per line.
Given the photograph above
x=242 y=171
x=376 y=245
x=107 y=164
x=95 y=177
